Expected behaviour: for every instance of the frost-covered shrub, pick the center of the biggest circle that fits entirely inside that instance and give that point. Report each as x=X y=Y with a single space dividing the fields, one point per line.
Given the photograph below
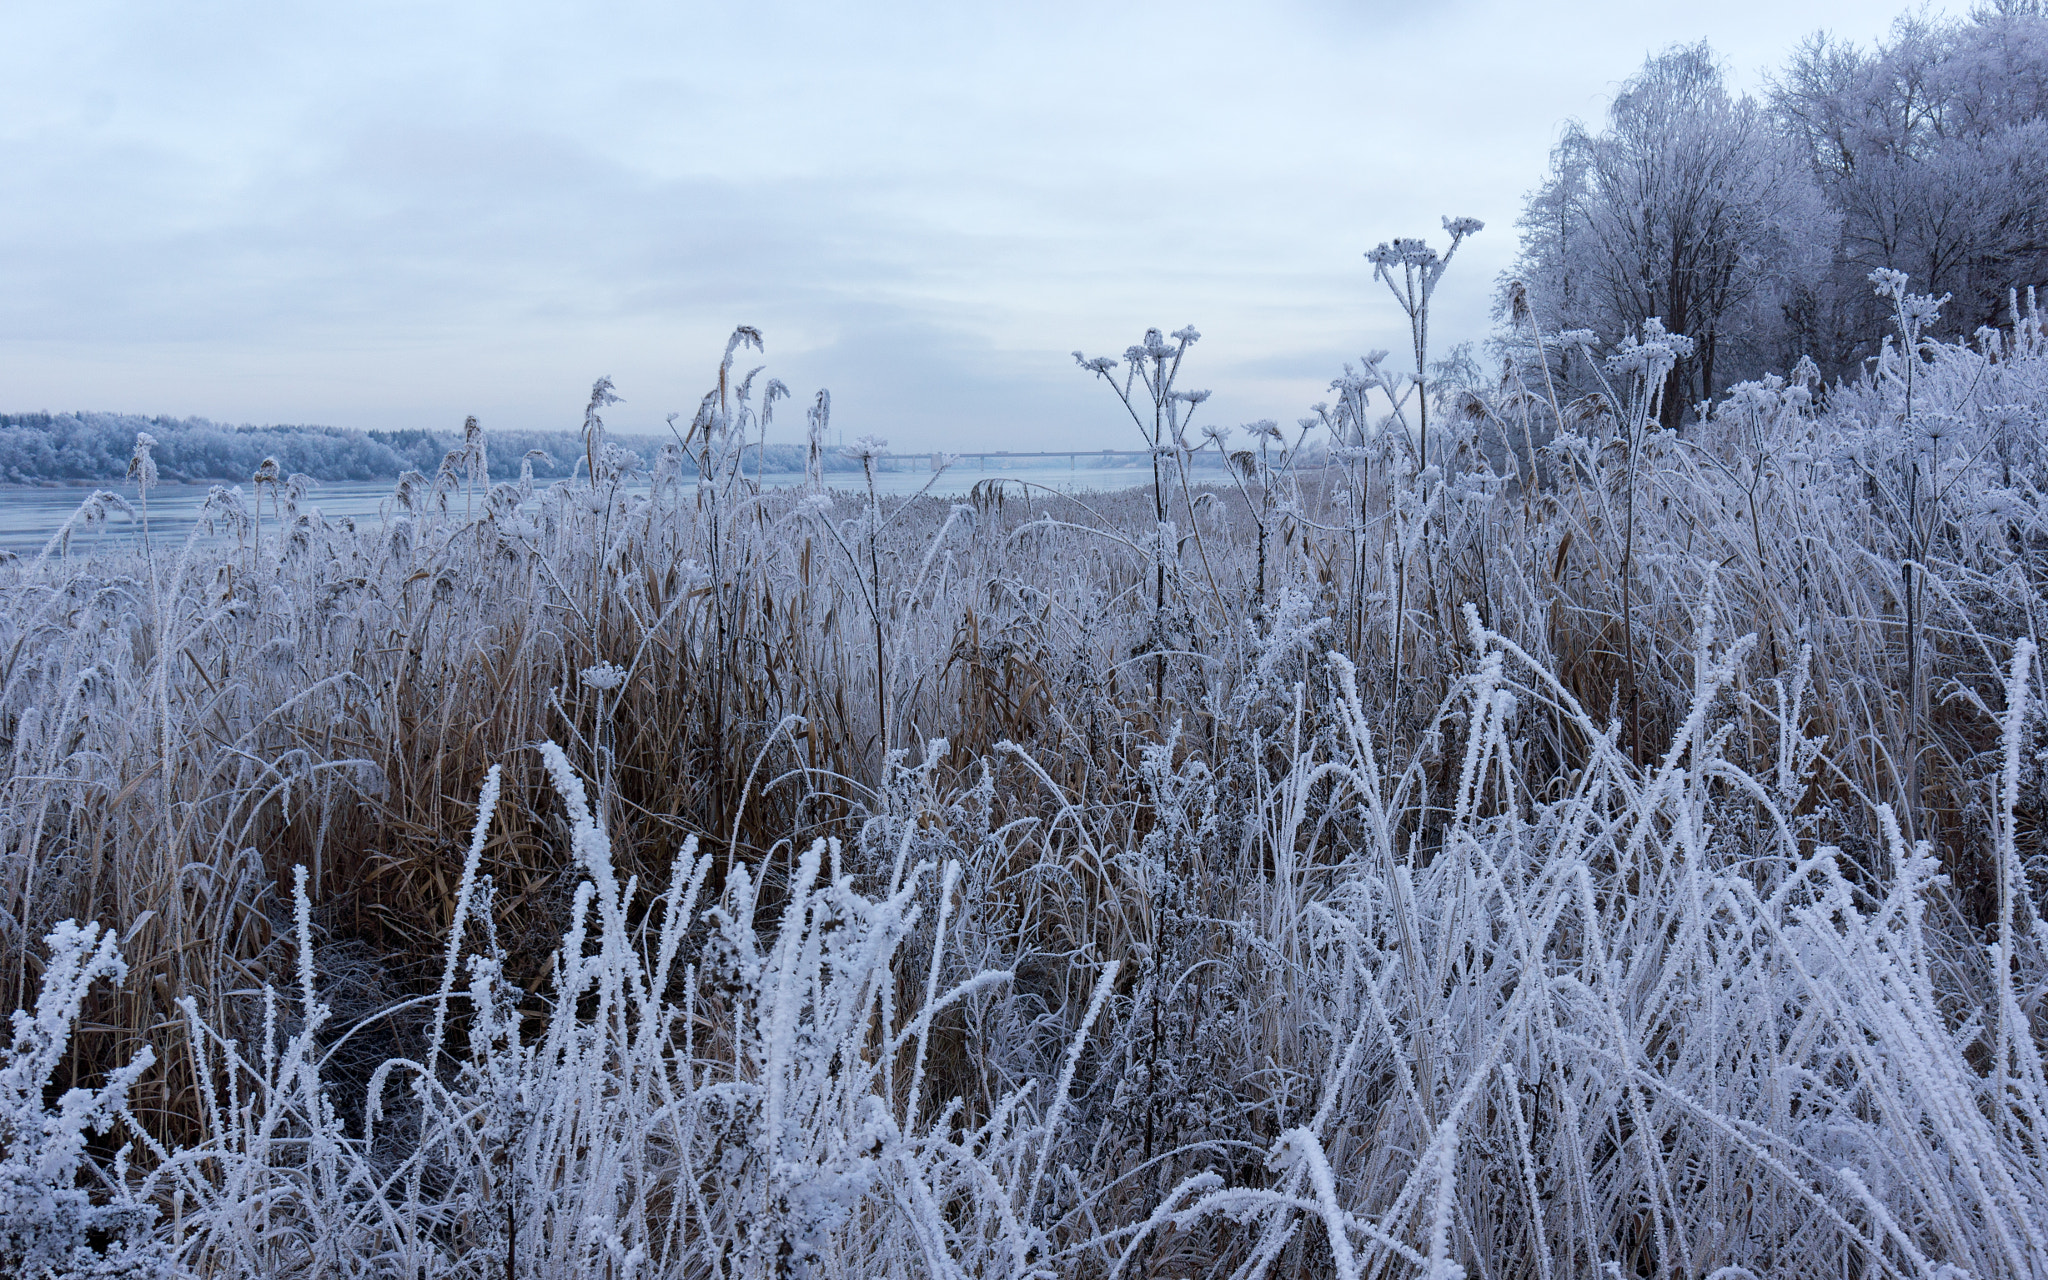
x=63 y=1213
x=748 y=1106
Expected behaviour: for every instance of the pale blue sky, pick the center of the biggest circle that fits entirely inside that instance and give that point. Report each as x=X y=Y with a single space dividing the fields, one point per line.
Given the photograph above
x=393 y=215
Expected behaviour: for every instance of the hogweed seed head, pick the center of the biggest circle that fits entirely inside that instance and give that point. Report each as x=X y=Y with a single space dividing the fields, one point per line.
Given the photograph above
x=866 y=449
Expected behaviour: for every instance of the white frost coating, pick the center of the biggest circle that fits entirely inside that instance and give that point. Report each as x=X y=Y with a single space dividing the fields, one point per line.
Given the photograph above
x=757 y=1052
x=52 y=1220
x=486 y=806
x=1104 y=983
x=1298 y=1148
x=552 y=1147
x=1568 y=963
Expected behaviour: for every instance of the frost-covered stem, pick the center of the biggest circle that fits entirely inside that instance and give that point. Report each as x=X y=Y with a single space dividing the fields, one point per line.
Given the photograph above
x=816 y=423
x=2011 y=871
x=256 y=534
x=1543 y=360
x=1355 y=521
x=1421 y=269
x=1103 y=986
x=1756 y=530
x=1195 y=526
x=1419 y=331
x=142 y=465
x=1155 y=364
x=708 y=487
x=1911 y=312
x=486 y=805
x=867 y=464
x=1265 y=517
x=1158 y=559
x=1910 y=604
x=949 y=883
x=1400 y=597
x=1260 y=598
x=1628 y=608
x=1302 y=1145
x=1242 y=468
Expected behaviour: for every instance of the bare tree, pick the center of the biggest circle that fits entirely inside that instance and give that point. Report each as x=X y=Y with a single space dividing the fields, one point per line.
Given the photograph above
x=1933 y=147
x=1689 y=207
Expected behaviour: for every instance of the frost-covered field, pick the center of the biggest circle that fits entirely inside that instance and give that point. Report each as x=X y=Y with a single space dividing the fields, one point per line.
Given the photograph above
x=1585 y=850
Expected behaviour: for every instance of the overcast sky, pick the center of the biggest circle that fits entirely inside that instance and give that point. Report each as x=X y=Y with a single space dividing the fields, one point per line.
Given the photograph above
x=393 y=215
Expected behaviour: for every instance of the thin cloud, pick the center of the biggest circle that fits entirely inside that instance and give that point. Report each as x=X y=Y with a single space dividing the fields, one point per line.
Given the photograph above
x=395 y=213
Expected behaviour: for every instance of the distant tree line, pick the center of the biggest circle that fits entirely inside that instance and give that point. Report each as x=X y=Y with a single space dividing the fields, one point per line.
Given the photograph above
x=1751 y=225
x=57 y=448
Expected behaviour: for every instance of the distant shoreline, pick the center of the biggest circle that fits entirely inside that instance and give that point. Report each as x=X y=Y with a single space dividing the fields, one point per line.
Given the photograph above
x=15 y=486
x=852 y=474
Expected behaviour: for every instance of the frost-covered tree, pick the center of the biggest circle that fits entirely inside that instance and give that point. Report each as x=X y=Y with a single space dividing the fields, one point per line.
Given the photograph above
x=1688 y=206
x=1933 y=149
